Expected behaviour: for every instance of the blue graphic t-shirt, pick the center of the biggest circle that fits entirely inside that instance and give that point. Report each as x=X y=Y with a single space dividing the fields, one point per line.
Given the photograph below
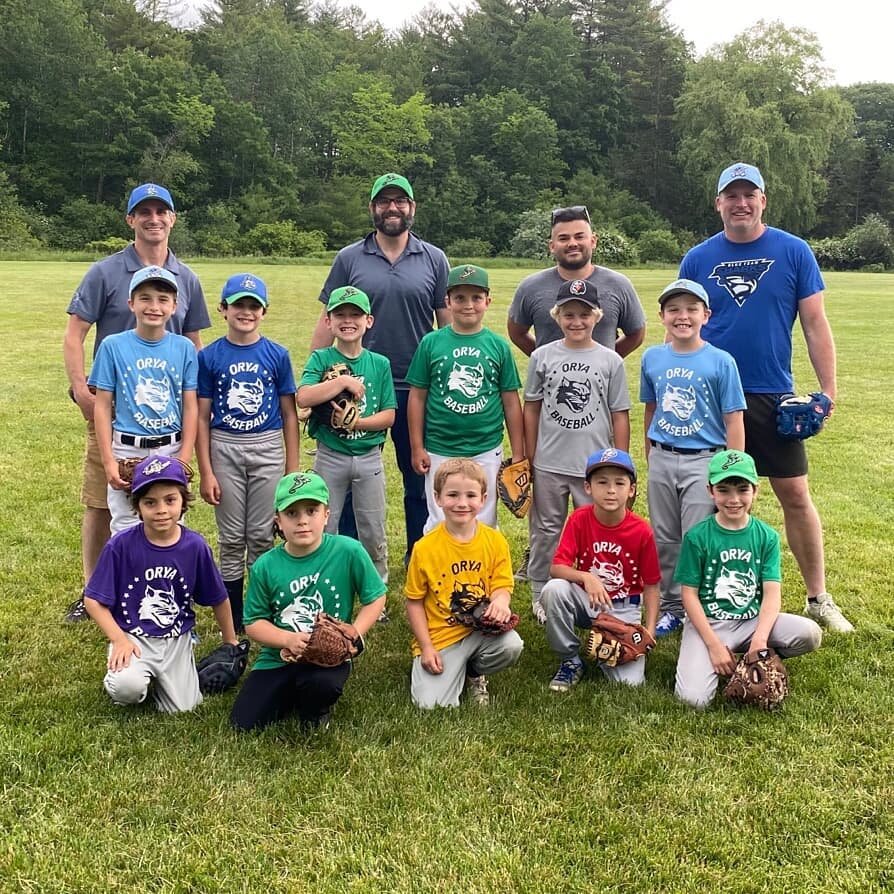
x=755 y=288
x=150 y=589
x=148 y=379
x=245 y=383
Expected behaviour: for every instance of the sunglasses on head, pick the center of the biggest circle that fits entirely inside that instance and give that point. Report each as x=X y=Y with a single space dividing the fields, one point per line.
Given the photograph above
x=572 y=212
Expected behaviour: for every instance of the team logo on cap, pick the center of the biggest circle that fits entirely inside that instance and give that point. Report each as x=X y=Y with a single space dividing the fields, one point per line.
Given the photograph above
x=467 y=272
x=249 y=283
x=299 y=482
x=151 y=190
x=731 y=460
x=740 y=172
x=390 y=178
x=349 y=292
x=609 y=453
x=156 y=466
x=578 y=287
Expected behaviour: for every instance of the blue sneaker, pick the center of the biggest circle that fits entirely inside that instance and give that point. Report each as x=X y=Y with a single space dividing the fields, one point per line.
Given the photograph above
x=569 y=673
x=667 y=624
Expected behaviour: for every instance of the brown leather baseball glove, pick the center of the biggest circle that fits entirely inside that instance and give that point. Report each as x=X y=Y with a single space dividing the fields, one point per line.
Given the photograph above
x=342 y=412
x=612 y=641
x=332 y=642
x=760 y=679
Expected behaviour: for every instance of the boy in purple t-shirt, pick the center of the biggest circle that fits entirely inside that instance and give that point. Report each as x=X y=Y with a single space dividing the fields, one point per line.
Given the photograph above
x=142 y=590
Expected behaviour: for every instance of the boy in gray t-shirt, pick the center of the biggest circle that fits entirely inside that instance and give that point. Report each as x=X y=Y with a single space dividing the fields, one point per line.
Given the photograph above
x=576 y=402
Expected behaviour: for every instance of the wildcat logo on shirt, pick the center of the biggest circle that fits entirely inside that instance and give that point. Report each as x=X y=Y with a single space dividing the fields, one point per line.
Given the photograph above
x=612 y=576
x=678 y=401
x=740 y=278
x=466 y=379
x=302 y=611
x=466 y=596
x=159 y=606
x=736 y=588
x=245 y=396
x=573 y=394
x=152 y=393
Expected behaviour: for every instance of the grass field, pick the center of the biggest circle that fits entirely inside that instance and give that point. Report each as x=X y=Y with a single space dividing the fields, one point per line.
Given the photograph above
x=599 y=790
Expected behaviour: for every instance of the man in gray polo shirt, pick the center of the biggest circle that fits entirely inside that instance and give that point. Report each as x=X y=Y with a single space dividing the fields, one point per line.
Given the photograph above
x=406 y=281
x=101 y=300
x=572 y=242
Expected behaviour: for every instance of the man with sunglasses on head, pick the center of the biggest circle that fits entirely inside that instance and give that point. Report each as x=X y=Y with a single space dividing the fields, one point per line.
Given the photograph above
x=406 y=281
x=572 y=243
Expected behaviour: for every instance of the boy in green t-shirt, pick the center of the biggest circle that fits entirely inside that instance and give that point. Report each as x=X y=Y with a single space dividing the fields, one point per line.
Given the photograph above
x=463 y=389
x=352 y=460
x=311 y=572
x=729 y=572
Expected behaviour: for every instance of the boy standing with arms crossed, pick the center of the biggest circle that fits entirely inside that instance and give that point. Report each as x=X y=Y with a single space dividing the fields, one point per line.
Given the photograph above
x=461 y=562
x=463 y=388
x=352 y=460
x=576 y=401
x=694 y=405
x=730 y=576
x=247 y=431
x=145 y=380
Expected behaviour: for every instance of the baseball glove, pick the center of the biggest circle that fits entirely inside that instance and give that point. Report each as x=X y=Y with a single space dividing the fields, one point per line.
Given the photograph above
x=342 y=412
x=514 y=486
x=798 y=418
x=474 y=617
x=612 y=641
x=332 y=642
x=760 y=679
x=221 y=669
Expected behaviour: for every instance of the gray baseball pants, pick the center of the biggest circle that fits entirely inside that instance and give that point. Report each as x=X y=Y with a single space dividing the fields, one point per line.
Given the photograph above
x=697 y=681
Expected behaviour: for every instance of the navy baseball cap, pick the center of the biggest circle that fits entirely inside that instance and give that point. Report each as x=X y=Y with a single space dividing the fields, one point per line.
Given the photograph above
x=740 y=171
x=610 y=456
x=149 y=191
x=578 y=290
x=244 y=285
x=152 y=274
x=157 y=468
x=684 y=287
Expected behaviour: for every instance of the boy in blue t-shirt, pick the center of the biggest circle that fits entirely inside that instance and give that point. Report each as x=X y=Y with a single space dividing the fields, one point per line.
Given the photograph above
x=247 y=431
x=145 y=380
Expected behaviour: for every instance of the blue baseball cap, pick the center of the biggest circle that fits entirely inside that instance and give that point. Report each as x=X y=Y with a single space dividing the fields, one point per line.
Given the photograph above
x=158 y=468
x=149 y=191
x=684 y=287
x=610 y=456
x=152 y=274
x=244 y=285
x=740 y=171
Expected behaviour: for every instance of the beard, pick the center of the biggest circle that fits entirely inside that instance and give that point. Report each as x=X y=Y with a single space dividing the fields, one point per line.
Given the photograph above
x=576 y=264
x=392 y=226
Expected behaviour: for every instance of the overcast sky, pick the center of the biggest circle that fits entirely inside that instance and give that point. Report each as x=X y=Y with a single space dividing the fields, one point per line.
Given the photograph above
x=855 y=35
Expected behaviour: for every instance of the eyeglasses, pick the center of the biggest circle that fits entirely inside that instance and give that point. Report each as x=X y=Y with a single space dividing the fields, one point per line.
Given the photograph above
x=572 y=212
x=402 y=203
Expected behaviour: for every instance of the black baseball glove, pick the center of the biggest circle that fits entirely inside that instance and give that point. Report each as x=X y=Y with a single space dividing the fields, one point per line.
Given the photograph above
x=221 y=669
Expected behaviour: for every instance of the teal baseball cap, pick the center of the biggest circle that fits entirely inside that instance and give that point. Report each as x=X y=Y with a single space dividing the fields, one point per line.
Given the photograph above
x=300 y=486
x=398 y=181
x=152 y=274
x=732 y=464
x=740 y=171
x=348 y=295
x=244 y=285
x=684 y=287
x=468 y=275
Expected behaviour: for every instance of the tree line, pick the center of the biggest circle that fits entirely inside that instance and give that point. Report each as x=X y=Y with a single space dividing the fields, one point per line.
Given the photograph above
x=270 y=119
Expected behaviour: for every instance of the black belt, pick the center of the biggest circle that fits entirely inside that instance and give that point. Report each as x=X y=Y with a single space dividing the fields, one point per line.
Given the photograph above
x=149 y=443
x=684 y=451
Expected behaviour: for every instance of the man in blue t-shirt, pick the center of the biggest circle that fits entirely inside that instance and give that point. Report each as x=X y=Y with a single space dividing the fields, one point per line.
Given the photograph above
x=760 y=280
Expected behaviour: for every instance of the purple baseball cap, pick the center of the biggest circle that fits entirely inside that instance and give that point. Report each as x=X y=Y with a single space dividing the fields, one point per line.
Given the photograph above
x=157 y=468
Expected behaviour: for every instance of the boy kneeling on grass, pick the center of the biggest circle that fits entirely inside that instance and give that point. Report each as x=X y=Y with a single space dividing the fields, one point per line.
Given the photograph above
x=142 y=591
x=729 y=572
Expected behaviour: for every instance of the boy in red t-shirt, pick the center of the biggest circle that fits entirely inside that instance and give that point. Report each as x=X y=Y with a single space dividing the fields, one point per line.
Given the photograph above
x=606 y=562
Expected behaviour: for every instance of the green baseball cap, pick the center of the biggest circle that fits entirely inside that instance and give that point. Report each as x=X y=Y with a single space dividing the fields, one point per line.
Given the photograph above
x=468 y=275
x=348 y=295
x=300 y=486
x=731 y=464
x=396 y=180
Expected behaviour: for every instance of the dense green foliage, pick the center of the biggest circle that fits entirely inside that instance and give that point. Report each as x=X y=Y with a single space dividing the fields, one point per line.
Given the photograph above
x=270 y=119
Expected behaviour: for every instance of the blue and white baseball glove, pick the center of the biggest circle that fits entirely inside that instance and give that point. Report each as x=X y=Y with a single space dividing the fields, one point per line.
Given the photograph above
x=798 y=418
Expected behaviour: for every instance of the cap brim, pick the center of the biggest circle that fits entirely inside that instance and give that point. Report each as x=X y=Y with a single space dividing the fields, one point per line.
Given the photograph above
x=237 y=295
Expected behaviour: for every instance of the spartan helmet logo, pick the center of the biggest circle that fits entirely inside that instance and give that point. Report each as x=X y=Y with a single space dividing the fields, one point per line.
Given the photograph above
x=468 y=271
x=299 y=482
x=249 y=283
x=578 y=287
x=156 y=467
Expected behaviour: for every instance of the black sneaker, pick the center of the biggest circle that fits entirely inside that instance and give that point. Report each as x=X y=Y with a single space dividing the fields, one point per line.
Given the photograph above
x=76 y=612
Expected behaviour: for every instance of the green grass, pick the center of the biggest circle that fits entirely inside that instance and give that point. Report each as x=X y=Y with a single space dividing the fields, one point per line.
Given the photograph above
x=601 y=790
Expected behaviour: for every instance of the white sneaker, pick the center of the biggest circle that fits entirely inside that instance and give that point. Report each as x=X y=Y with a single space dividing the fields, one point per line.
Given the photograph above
x=476 y=687
x=827 y=614
x=538 y=611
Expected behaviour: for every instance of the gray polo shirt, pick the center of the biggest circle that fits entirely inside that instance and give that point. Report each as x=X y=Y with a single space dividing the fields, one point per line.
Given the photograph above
x=101 y=298
x=403 y=296
x=536 y=296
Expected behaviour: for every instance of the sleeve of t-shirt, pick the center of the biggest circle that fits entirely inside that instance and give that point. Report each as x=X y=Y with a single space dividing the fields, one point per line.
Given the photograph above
x=810 y=280
x=313 y=371
x=419 y=373
x=439 y=292
x=690 y=564
x=416 y=586
x=102 y=373
x=197 y=313
x=618 y=394
x=285 y=377
x=101 y=585
x=567 y=551
x=732 y=397
x=367 y=583
x=649 y=567
x=89 y=299
x=518 y=311
x=771 y=568
x=258 y=604
x=501 y=572
x=534 y=381
x=509 y=379
x=205 y=376
x=632 y=317
x=387 y=394
x=688 y=267
x=190 y=366
x=209 y=585
x=646 y=386
x=338 y=276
